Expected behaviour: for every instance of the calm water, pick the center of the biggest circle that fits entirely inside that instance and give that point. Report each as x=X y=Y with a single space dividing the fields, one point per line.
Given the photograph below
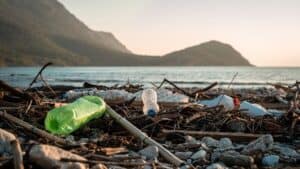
x=183 y=76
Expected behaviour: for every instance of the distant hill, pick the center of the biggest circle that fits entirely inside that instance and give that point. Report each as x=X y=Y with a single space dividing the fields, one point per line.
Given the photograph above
x=208 y=53
x=33 y=32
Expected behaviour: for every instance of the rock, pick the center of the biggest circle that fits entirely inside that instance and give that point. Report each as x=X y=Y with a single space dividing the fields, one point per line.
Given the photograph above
x=217 y=166
x=215 y=156
x=150 y=152
x=232 y=158
x=225 y=143
x=261 y=144
x=191 y=140
x=184 y=155
x=199 y=155
x=116 y=167
x=48 y=157
x=147 y=167
x=285 y=151
x=99 y=166
x=210 y=142
x=237 y=126
x=270 y=161
x=5 y=139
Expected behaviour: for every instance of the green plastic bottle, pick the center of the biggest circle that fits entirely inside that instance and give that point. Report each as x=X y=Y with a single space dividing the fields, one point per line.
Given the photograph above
x=66 y=119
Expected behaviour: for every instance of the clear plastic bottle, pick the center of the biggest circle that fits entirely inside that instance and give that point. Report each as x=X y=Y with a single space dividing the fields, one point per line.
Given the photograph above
x=149 y=98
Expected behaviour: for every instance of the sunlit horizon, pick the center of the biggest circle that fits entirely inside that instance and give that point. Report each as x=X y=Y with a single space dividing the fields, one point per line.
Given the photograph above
x=264 y=32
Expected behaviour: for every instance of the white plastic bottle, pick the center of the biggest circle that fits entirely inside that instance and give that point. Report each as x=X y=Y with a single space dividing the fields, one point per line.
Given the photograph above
x=149 y=98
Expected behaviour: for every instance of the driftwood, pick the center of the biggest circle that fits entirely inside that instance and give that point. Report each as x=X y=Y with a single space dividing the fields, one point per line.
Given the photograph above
x=33 y=129
x=39 y=73
x=17 y=154
x=94 y=162
x=143 y=137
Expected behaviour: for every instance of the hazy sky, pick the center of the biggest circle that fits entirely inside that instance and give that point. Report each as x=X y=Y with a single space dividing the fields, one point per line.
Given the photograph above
x=266 y=32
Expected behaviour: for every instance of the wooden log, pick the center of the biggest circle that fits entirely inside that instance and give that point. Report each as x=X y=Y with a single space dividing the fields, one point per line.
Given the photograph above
x=217 y=135
x=17 y=154
x=144 y=138
x=33 y=129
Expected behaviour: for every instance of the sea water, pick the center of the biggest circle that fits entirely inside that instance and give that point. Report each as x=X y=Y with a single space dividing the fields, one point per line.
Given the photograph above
x=183 y=76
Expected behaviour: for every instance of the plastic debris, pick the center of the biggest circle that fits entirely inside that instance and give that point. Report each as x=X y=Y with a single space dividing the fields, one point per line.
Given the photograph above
x=149 y=98
x=66 y=119
x=224 y=100
x=253 y=110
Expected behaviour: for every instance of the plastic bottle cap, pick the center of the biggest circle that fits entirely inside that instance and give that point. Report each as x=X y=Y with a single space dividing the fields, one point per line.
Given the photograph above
x=151 y=113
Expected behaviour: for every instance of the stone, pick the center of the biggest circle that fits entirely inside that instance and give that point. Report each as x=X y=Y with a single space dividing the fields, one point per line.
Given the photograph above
x=99 y=166
x=210 y=142
x=5 y=139
x=285 y=151
x=237 y=126
x=232 y=158
x=150 y=152
x=199 y=155
x=262 y=144
x=48 y=157
x=191 y=140
x=184 y=155
x=217 y=166
x=270 y=161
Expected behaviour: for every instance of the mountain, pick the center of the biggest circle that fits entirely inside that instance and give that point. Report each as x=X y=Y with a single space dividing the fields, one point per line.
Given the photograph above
x=208 y=53
x=33 y=32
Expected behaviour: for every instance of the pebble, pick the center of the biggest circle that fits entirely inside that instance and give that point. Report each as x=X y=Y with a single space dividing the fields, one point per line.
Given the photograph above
x=5 y=139
x=210 y=142
x=270 y=161
x=184 y=155
x=199 y=155
x=217 y=166
x=237 y=126
x=150 y=152
x=233 y=158
x=261 y=144
x=48 y=157
x=99 y=166
x=191 y=140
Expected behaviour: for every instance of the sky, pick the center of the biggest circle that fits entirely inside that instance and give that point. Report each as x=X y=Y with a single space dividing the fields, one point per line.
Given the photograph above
x=266 y=32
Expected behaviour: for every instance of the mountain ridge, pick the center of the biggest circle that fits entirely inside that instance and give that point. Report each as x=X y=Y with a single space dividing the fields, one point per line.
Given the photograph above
x=34 y=32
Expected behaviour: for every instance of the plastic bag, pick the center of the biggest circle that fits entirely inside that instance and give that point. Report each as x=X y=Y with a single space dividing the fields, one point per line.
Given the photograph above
x=66 y=119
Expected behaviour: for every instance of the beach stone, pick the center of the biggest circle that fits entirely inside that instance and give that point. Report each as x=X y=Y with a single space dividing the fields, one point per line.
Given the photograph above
x=191 y=140
x=225 y=143
x=210 y=142
x=232 y=158
x=199 y=155
x=184 y=155
x=147 y=167
x=48 y=157
x=285 y=151
x=217 y=166
x=237 y=126
x=99 y=166
x=150 y=152
x=5 y=139
x=215 y=156
x=116 y=167
x=261 y=144
x=270 y=161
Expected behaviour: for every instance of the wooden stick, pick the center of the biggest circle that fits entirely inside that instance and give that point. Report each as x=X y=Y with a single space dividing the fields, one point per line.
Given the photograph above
x=14 y=91
x=38 y=74
x=176 y=87
x=205 y=89
x=128 y=164
x=143 y=137
x=217 y=135
x=17 y=154
x=33 y=129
